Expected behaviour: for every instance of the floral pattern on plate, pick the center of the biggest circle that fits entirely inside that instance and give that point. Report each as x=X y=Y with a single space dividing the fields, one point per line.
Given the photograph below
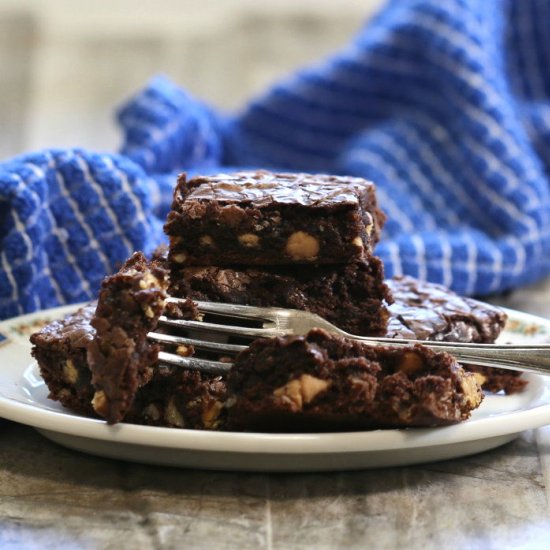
x=27 y=328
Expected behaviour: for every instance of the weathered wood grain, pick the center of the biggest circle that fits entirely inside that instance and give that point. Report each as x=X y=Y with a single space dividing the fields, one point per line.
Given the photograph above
x=50 y=495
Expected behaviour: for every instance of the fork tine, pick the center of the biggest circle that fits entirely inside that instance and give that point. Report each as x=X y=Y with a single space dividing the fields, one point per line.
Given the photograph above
x=227 y=310
x=233 y=310
x=223 y=329
x=198 y=344
x=192 y=363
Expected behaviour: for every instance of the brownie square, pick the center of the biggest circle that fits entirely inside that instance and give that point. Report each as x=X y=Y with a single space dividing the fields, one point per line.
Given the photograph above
x=428 y=311
x=60 y=348
x=322 y=382
x=262 y=218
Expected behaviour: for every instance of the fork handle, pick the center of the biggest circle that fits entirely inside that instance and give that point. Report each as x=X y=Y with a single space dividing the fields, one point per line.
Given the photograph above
x=528 y=358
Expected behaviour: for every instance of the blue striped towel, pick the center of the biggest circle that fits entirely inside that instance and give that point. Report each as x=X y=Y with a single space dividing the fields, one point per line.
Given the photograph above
x=445 y=105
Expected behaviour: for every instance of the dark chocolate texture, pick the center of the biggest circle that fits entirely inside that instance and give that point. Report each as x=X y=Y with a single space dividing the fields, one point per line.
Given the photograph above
x=351 y=296
x=428 y=311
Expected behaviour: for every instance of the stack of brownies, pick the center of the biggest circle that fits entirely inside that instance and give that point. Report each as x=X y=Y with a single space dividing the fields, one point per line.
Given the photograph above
x=288 y=240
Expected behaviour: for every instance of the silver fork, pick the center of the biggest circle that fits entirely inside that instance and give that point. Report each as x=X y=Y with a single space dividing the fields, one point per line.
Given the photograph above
x=281 y=322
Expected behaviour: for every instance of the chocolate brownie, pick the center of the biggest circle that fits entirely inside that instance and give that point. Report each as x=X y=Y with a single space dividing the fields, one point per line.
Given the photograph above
x=174 y=397
x=261 y=218
x=322 y=382
x=351 y=296
x=120 y=356
x=60 y=349
x=428 y=311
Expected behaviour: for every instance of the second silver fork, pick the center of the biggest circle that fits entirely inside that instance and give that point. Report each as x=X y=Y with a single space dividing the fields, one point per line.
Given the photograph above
x=282 y=322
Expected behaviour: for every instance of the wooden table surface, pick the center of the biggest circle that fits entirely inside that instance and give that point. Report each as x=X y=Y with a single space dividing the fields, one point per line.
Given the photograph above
x=51 y=497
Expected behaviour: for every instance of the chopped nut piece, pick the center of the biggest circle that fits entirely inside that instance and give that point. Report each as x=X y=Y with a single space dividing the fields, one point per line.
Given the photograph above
x=302 y=390
x=149 y=281
x=210 y=415
x=249 y=239
x=290 y=391
x=180 y=258
x=358 y=242
x=70 y=374
x=230 y=402
x=302 y=246
x=184 y=351
x=480 y=378
x=151 y=412
x=471 y=389
x=206 y=240
x=172 y=415
x=410 y=363
x=100 y=403
x=64 y=393
x=149 y=312
x=312 y=386
x=232 y=215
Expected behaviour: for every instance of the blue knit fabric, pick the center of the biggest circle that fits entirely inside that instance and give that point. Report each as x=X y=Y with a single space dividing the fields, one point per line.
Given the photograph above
x=66 y=219
x=445 y=105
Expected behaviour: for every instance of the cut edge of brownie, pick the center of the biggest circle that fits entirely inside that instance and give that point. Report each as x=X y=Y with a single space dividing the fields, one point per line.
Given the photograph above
x=354 y=297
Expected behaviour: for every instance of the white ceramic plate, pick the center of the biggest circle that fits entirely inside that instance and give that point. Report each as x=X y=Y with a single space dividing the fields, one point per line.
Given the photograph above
x=23 y=398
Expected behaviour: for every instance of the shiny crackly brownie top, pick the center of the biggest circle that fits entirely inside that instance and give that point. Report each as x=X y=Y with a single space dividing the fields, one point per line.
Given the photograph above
x=428 y=311
x=74 y=330
x=264 y=188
